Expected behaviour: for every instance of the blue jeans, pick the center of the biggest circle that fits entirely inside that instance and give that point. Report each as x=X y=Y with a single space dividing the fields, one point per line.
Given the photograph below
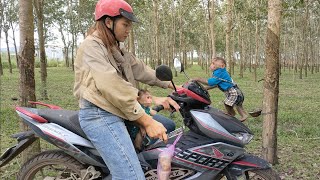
x=110 y=137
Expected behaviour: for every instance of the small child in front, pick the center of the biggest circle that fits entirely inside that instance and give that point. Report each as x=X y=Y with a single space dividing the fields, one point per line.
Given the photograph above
x=221 y=79
x=145 y=100
x=137 y=134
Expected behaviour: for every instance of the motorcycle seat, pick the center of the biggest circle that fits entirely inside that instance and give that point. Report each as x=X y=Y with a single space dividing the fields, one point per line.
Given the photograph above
x=65 y=118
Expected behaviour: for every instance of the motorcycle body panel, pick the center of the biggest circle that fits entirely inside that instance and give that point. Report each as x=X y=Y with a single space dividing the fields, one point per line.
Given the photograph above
x=194 y=157
x=72 y=143
x=247 y=162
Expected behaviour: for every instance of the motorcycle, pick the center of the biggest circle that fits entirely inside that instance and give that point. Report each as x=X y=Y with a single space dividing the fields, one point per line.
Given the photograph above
x=213 y=147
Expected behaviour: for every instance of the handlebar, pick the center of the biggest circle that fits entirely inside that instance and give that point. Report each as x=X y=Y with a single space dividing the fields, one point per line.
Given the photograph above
x=158 y=108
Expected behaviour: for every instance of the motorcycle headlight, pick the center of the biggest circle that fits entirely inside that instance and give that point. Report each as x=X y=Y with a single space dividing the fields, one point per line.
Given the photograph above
x=245 y=138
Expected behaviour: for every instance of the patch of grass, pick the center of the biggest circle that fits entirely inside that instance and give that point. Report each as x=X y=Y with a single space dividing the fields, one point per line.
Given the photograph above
x=298 y=115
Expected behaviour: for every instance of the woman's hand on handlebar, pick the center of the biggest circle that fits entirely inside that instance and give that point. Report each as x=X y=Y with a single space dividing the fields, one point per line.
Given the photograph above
x=153 y=128
x=166 y=102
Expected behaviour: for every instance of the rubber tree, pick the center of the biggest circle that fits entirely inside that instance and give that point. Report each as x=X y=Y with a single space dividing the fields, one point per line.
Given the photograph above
x=38 y=7
x=26 y=59
x=1 y=26
x=228 y=35
x=271 y=82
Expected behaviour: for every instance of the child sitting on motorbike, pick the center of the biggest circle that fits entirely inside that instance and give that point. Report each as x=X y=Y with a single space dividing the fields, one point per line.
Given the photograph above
x=221 y=79
x=137 y=134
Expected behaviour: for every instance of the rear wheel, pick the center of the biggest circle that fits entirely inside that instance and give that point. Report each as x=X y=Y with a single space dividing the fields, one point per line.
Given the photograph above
x=51 y=165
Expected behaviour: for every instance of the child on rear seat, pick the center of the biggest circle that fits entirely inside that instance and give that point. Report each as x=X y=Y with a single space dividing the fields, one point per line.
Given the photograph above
x=221 y=79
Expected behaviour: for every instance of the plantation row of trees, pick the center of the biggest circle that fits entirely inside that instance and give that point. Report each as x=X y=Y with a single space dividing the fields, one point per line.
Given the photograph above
x=187 y=29
x=245 y=32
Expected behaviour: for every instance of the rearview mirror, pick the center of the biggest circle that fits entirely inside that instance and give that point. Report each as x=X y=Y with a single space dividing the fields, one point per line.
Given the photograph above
x=164 y=73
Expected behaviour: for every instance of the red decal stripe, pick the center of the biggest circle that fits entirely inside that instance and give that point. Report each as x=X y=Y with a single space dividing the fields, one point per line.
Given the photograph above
x=244 y=163
x=30 y=114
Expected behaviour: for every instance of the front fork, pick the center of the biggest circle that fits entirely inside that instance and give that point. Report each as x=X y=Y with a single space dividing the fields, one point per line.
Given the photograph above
x=25 y=139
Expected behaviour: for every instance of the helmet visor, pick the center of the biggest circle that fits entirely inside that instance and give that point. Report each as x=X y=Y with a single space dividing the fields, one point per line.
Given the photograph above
x=128 y=15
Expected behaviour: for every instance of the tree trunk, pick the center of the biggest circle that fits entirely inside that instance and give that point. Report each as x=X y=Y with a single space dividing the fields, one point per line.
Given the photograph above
x=249 y=54
x=200 y=56
x=15 y=44
x=257 y=54
x=228 y=35
x=233 y=53
x=66 y=55
x=283 y=57
x=271 y=83
x=241 y=44
x=173 y=41
x=8 y=51
x=180 y=50
x=296 y=60
x=131 y=48
x=38 y=4
x=26 y=58
x=312 y=49
x=212 y=31
x=305 y=39
x=1 y=25
x=151 y=53
x=317 y=51
x=184 y=56
x=156 y=29
x=74 y=46
x=206 y=45
x=1 y=68
x=65 y=50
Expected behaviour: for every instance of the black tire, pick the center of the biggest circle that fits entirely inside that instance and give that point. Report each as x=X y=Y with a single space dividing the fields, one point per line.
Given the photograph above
x=266 y=174
x=261 y=174
x=49 y=159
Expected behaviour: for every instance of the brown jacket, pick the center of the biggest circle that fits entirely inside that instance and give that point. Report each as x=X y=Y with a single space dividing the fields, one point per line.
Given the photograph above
x=108 y=79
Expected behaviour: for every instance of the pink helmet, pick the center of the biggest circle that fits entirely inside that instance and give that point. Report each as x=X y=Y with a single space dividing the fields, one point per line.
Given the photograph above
x=114 y=8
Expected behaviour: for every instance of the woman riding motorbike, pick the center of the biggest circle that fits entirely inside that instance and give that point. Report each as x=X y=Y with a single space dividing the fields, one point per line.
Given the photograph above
x=105 y=80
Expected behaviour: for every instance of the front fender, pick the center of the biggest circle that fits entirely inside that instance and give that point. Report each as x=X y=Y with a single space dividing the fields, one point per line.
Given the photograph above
x=245 y=163
x=25 y=139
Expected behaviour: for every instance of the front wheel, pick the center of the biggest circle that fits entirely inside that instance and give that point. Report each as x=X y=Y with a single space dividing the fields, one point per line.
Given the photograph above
x=53 y=164
x=266 y=174
x=259 y=174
